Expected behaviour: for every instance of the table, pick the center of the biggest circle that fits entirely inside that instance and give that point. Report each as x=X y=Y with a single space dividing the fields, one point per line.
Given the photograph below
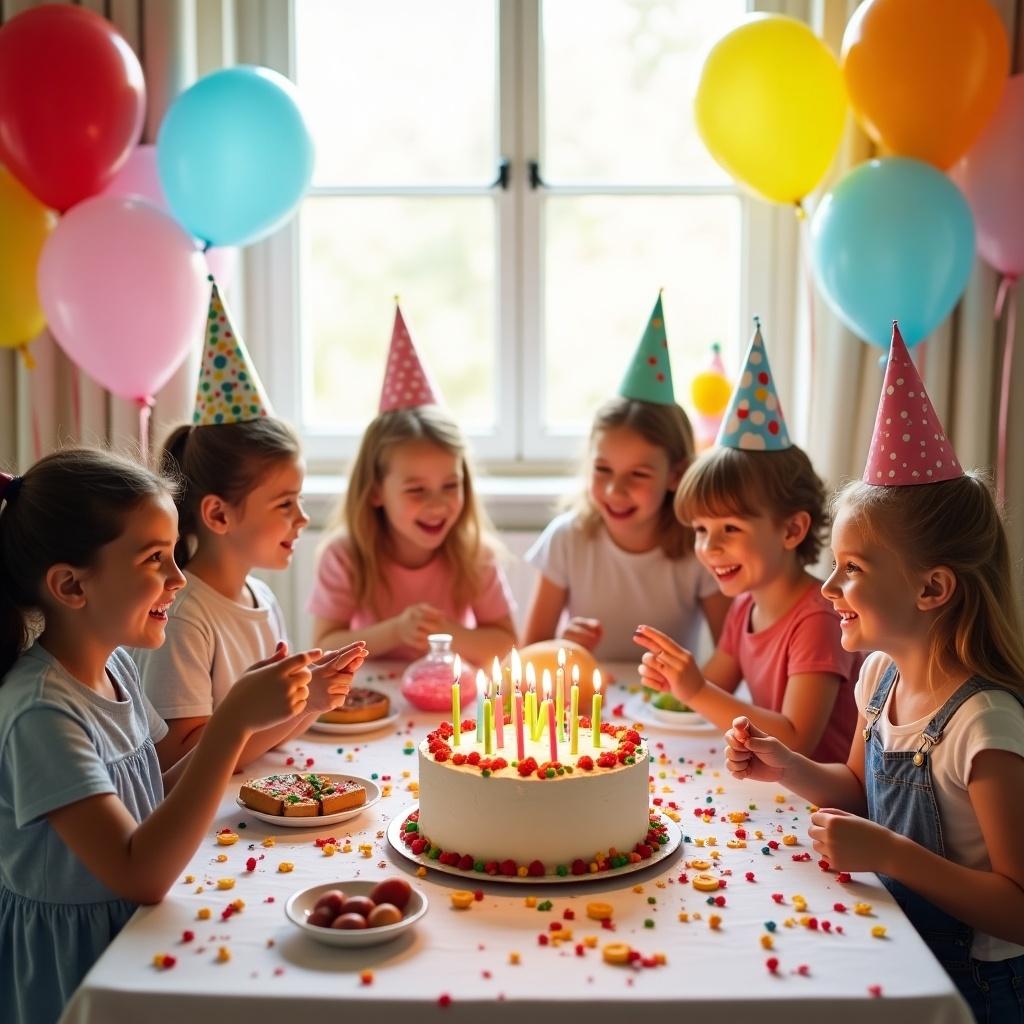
x=455 y=965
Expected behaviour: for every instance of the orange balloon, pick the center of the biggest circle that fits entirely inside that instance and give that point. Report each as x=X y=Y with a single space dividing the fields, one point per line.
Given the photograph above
x=925 y=76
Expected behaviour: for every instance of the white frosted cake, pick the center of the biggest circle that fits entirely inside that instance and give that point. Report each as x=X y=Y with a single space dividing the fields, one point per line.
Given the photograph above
x=493 y=813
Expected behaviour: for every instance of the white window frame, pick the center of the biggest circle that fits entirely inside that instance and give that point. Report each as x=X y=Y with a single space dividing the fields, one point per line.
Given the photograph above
x=519 y=444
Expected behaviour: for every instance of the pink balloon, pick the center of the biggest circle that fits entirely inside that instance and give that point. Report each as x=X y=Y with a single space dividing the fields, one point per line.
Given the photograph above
x=991 y=175
x=138 y=177
x=124 y=290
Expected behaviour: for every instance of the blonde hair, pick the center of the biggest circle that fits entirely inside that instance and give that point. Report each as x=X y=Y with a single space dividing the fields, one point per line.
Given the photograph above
x=365 y=525
x=732 y=482
x=956 y=524
x=668 y=428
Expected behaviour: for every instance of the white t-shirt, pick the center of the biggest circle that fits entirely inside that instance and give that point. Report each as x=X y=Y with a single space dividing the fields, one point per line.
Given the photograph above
x=623 y=589
x=991 y=720
x=211 y=640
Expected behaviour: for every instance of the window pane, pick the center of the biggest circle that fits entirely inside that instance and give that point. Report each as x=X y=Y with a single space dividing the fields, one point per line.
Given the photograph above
x=437 y=254
x=399 y=91
x=619 y=80
x=605 y=259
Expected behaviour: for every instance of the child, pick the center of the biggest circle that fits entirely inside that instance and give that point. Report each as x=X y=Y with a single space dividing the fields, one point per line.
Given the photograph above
x=758 y=510
x=621 y=556
x=413 y=558
x=922 y=576
x=87 y=833
x=239 y=509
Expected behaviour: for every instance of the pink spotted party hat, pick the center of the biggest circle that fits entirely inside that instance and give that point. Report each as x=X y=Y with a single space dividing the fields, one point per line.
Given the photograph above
x=908 y=445
x=230 y=390
x=406 y=381
x=753 y=421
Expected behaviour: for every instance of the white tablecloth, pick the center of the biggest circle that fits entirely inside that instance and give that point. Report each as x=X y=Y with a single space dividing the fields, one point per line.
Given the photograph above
x=457 y=962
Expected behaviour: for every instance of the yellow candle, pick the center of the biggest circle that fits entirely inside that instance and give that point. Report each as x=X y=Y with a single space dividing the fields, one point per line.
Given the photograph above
x=488 y=727
x=574 y=718
x=499 y=720
x=456 y=702
x=531 y=700
x=595 y=713
x=545 y=694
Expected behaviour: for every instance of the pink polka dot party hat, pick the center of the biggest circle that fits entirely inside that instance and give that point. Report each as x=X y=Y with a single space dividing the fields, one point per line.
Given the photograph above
x=230 y=390
x=908 y=445
x=753 y=421
x=406 y=381
x=648 y=377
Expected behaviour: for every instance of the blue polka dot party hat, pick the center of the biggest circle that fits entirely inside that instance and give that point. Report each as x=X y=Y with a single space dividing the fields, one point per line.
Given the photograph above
x=754 y=421
x=649 y=376
x=230 y=390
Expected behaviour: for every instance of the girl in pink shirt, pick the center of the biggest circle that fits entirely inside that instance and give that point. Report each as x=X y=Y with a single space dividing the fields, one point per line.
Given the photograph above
x=412 y=556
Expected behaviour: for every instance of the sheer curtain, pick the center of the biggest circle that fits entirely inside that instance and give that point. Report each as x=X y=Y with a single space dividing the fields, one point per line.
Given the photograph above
x=176 y=41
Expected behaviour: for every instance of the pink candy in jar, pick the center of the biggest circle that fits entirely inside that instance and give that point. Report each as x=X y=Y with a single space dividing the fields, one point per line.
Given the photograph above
x=427 y=683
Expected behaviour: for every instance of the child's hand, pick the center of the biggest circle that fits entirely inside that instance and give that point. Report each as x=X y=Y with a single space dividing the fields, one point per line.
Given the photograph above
x=667 y=666
x=753 y=754
x=272 y=691
x=332 y=677
x=416 y=623
x=848 y=842
x=585 y=632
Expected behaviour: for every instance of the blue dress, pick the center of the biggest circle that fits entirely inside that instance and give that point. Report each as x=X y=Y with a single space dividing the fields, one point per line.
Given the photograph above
x=61 y=742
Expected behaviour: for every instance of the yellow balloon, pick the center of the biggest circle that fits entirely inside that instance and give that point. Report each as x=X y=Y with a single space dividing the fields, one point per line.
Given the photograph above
x=771 y=106
x=26 y=225
x=710 y=392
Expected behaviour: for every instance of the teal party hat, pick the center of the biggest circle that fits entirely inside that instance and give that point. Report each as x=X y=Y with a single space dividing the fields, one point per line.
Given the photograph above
x=753 y=421
x=649 y=376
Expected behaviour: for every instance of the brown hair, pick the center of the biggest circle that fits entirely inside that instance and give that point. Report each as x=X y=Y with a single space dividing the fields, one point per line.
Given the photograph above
x=365 y=525
x=732 y=482
x=226 y=459
x=956 y=524
x=668 y=428
x=67 y=506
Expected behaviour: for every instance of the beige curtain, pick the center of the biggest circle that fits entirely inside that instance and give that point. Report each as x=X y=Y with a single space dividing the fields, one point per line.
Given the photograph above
x=961 y=363
x=176 y=41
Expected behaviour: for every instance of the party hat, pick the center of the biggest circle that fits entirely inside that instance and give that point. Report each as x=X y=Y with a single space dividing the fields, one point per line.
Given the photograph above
x=230 y=390
x=406 y=381
x=649 y=376
x=908 y=445
x=753 y=420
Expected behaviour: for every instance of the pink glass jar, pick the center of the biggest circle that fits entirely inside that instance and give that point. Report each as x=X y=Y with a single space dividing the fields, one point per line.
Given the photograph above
x=427 y=683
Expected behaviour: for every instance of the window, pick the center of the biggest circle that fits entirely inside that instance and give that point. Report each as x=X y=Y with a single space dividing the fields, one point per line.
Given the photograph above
x=525 y=175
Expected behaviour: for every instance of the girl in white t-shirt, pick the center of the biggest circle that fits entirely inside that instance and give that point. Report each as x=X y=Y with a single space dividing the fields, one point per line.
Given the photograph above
x=620 y=556
x=922 y=577
x=239 y=509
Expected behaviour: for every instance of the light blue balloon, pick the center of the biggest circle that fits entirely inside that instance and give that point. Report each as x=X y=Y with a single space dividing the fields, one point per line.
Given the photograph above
x=235 y=155
x=894 y=240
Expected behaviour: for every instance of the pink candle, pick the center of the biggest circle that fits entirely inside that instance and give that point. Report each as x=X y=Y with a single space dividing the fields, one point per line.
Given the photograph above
x=517 y=718
x=552 y=728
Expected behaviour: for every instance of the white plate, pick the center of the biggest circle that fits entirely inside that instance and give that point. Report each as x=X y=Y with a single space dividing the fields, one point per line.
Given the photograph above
x=675 y=836
x=372 y=796
x=353 y=728
x=300 y=904
x=678 y=721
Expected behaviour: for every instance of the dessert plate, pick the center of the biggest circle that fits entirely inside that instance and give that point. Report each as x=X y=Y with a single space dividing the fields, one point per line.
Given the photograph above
x=279 y=820
x=678 y=721
x=394 y=834
x=299 y=905
x=354 y=728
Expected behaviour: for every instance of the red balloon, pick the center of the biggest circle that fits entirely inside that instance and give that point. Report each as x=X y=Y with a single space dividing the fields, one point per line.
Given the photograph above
x=72 y=102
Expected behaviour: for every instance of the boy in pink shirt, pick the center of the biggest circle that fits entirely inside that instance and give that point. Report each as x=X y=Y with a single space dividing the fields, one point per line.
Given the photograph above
x=758 y=512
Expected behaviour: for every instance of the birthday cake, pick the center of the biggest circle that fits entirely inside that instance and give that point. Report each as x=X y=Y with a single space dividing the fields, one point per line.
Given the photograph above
x=571 y=814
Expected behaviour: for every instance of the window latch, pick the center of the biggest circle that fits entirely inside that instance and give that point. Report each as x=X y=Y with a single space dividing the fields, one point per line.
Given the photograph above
x=501 y=181
x=536 y=181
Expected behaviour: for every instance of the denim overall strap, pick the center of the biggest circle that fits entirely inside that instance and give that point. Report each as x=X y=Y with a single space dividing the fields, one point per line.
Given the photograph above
x=901 y=796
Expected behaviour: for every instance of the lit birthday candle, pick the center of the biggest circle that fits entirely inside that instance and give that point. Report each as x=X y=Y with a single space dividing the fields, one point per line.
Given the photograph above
x=517 y=721
x=531 y=700
x=595 y=713
x=488 y=727
x=560 y=694
x=481 y=686
x=574 y=712
x=456 y=702
x=552 y=728
x=544 y=693
x=499 y=718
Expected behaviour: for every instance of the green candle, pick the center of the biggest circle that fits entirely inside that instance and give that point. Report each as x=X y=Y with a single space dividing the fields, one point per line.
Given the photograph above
x=488 y=727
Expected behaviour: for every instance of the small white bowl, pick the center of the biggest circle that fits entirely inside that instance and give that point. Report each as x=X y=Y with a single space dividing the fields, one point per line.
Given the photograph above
x=300 y=905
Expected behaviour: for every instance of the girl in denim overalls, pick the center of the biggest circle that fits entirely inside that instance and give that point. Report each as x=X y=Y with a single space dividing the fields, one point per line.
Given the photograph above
x=922 y=576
